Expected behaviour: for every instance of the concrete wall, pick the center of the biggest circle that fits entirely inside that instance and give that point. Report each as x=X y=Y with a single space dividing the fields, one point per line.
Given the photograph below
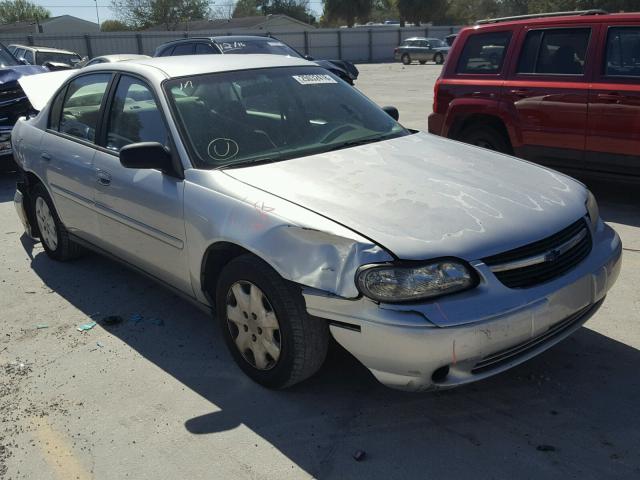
x=354 y=44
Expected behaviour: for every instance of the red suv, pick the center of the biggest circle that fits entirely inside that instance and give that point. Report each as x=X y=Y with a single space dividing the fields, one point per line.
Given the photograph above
x=562 y=90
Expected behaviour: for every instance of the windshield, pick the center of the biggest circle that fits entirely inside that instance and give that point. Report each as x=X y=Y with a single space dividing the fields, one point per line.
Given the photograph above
x=269 y=46
x=57 y=57
x=267 y=115
x=6 y=59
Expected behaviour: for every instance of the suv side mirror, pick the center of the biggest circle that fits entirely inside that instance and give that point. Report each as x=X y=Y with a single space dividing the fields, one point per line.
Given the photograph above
x=308 y=57
x=392 y=112
x=23 y=61
x=147 y=155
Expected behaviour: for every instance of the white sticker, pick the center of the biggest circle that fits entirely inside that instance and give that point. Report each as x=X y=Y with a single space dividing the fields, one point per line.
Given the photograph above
x=313 y=79
x=276 y=44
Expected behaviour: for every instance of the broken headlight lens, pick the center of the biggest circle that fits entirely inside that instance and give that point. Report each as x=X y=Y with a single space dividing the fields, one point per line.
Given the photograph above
x=397 y=283
x=592 y=208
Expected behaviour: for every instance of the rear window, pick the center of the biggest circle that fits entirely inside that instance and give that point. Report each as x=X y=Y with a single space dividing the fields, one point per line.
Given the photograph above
x=555 y=51
x=484 y=53
x=623 y=52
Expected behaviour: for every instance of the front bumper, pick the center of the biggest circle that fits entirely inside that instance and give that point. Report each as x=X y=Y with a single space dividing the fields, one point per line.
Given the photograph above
x=404 y=350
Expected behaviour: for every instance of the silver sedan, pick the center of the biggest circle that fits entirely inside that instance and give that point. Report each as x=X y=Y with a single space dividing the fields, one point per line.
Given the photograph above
x=273 y=195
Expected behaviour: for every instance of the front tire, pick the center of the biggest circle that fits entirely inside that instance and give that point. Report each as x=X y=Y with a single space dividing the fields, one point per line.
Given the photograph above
x=486 y=137
x=53 y=234
x=406 y=59
x=266 y=326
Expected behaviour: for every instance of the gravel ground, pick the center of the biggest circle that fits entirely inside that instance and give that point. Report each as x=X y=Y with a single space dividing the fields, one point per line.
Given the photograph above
x=158 y=396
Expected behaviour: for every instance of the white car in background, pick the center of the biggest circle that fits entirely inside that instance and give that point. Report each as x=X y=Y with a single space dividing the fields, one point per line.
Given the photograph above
x=236 y=183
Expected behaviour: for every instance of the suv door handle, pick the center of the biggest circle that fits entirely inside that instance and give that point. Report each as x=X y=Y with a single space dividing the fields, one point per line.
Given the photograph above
x=612 y=96
x=519 y=92
x=44 y=155
x=104 y=178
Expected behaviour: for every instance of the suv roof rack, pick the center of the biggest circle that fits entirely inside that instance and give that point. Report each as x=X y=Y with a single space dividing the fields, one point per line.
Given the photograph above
x=595 y=11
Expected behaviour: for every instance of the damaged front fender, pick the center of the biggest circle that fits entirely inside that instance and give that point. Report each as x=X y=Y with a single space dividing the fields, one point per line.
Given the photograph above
x=299 y=244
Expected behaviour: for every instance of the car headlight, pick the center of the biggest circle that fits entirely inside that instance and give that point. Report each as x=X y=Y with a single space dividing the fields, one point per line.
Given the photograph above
x=592 y=208
x=400 y=283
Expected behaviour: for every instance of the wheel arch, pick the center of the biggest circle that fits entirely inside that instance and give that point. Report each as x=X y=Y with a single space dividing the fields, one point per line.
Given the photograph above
x=215 y=258
x=461 y=123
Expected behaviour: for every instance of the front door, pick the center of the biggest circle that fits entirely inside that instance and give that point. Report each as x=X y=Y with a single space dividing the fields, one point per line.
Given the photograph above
x=547 y=94
x=140 y=211
x=613 y=140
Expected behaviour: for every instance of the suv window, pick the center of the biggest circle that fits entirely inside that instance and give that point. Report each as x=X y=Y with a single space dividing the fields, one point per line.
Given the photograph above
x=134 y=116
x=623 y=52
x=484 y=53
x=28 y=56
x=205 y=49
x=19 y=53
x=183 y=49
x=555 y=51
x=81 y=108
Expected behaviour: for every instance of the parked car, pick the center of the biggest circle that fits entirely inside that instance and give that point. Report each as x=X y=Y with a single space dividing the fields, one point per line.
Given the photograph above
x=237 y=44
x=13 y=101
x=562 y=91
x=52 y=58
x=422 y=50
x=121 y=57
x=235 y=182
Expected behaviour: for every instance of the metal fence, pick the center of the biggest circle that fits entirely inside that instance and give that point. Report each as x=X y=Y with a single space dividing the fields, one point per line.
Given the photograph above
x=354 y=44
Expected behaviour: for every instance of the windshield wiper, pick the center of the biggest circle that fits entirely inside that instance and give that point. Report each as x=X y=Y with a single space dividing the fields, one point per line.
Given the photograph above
x=246 y=163
x=363 y=141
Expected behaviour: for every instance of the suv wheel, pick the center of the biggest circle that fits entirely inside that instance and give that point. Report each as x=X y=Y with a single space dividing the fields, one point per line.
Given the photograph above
x=485 y=137
x=266 y=326
x=406 y=59
x=53 y=234
x=438 y=58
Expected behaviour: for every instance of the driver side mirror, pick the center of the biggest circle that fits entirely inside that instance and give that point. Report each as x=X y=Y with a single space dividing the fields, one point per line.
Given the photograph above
x=308 y=57
x=147 y=155
x=392 y=112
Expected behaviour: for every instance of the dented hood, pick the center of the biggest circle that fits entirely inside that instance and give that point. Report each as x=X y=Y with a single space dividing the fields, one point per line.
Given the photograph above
x=40 y=88
x=423 y=196
x=10 y=74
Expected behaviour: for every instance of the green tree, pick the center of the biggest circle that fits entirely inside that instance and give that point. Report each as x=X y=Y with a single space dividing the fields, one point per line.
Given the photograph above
x=384 y=10
x=113 y=26
x=246 y=8
x=347 y=10
x=21 y=10
x=138 y=14
x=416 y=11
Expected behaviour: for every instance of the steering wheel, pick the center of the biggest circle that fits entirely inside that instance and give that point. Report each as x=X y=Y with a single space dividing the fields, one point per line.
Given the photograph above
x=336 y=132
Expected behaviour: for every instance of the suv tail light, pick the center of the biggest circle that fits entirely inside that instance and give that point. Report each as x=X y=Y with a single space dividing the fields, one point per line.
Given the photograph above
x=436 y=90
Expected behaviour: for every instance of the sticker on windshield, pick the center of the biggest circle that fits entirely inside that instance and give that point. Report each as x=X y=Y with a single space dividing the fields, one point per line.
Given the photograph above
x=276 y=44
x=313 y=79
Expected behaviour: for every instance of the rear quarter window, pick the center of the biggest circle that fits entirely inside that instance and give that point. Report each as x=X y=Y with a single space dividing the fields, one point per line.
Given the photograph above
x=623 y=52
x=484 y=53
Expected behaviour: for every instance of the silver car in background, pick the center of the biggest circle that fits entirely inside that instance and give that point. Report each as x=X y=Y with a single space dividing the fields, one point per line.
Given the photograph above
x=422 y=50
x=290 y=218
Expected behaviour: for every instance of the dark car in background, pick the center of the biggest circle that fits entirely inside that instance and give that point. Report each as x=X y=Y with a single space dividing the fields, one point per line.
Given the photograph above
x=52 y=58
x=13 y=101
x=560 y=89
x=422 y=50
x=238 y=44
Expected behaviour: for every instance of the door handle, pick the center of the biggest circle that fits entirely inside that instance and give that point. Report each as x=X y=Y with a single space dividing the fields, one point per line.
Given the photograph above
x=519 y=92
x=104 y=178
x=45 y=156
x=612 y=96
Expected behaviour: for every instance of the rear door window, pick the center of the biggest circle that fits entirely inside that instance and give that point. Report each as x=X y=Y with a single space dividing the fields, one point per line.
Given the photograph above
x=623 y=52
x=183 y=49
x=484 y=53
x=81 y=108
x=555 y=51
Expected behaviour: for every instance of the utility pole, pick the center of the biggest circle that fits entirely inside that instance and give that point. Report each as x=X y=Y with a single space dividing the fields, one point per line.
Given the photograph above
x=97 y=14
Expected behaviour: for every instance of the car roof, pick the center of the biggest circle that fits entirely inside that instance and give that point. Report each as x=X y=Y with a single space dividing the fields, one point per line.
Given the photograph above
x=187 y=65
x=122 y=56
x=220 y=38
x=42 y=49
x=565 y=19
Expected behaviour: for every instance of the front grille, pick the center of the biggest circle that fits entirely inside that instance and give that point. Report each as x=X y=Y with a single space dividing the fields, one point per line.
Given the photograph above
x=543 y=260
x=497 y=359
x=13 y=104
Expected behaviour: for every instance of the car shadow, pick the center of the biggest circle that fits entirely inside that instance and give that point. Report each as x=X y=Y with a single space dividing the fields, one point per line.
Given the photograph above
x=570 y=412
x=7 y=186
x=619 y=202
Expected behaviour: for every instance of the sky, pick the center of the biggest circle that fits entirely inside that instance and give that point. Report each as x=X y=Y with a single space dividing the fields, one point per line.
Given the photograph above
x=86 y=9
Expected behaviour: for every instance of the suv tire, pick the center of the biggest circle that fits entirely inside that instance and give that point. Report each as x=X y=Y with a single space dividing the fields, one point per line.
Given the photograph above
x=273 y=339
x=438 y=58
x=486 y=137
x=406 y=59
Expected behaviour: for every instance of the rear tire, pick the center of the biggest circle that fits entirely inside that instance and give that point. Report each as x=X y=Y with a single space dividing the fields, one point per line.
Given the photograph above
x=438 y=58
x=266 y=326
x=53 y=234
x=486 y=137
x=406 y=59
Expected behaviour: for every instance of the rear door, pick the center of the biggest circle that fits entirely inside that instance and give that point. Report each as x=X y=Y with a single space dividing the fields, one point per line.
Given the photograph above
x=613 y=140
x=140 y=211
x=547 y=94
